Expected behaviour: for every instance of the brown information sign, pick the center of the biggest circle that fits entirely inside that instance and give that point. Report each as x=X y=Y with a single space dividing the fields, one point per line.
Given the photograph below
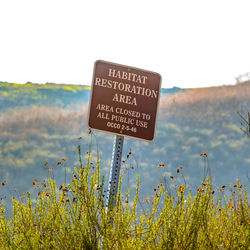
x=124 y=100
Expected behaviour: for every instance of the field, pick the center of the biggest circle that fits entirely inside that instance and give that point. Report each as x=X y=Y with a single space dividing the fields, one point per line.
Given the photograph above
x=187 y=190
x=74 y=216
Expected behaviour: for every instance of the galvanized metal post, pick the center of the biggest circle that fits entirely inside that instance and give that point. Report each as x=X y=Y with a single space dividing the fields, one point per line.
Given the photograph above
x=249 y=124
x=114 y=175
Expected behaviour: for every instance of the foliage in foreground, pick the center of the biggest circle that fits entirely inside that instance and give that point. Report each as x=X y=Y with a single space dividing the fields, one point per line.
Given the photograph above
x=74 y=216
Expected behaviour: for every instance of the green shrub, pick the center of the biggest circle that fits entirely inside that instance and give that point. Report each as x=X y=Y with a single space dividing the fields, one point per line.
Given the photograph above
x=74 y=216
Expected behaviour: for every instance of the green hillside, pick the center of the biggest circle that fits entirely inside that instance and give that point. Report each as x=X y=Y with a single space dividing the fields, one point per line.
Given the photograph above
x=23 y=95
x=41 y=124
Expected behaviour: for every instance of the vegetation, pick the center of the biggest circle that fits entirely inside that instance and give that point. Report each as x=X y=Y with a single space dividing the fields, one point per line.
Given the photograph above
x=74 y=216
x=29 y=94
x=198 y=135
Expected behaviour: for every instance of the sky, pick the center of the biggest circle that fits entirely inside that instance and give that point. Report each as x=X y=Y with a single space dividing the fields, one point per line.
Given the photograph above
x=191 y=43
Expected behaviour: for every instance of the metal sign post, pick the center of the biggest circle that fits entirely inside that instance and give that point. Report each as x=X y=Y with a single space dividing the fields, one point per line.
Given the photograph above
x=114 y=175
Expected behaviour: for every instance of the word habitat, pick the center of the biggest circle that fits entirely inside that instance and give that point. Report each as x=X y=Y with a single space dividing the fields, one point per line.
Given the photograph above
x=127 y=76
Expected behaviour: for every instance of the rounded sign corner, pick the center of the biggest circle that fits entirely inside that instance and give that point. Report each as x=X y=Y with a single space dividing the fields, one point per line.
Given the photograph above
x=159 y=77
x=98 y=61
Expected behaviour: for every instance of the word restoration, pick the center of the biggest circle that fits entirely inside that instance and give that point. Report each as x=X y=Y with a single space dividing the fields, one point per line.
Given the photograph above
x=124 y=100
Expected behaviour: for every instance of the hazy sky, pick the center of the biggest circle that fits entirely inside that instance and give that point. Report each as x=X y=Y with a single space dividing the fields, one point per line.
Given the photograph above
x=190 y=43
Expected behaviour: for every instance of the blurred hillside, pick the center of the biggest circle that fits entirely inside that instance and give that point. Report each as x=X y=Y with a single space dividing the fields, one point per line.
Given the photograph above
x=41 y=124
x=24 y=95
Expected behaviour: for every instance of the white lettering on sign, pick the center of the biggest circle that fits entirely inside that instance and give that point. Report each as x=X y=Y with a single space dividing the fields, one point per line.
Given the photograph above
x=124 y=100
x=120 y=115
x=105 y=108
x=127 y=76
x=102 y=115
x=128 y=112
x=122 y=119
x=105 y=83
